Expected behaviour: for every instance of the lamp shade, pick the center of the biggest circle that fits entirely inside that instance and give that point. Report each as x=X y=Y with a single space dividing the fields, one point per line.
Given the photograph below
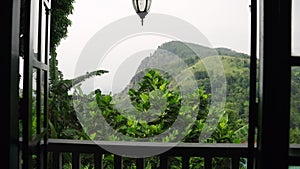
x=141 y=7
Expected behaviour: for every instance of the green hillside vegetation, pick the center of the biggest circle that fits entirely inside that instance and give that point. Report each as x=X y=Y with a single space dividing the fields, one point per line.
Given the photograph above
x=237 y=77
x=236 y=68
x=295 y=106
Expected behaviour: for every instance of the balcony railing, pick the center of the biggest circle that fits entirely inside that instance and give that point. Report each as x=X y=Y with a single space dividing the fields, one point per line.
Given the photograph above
x=235 y=152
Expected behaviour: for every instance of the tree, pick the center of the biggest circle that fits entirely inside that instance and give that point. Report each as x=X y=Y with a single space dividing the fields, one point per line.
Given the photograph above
x=60 y=23
x=63 y=120
x=60 y=10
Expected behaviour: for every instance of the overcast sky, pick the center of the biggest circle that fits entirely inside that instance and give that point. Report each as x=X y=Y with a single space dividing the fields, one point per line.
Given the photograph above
x=296 y=28
x=225 y=23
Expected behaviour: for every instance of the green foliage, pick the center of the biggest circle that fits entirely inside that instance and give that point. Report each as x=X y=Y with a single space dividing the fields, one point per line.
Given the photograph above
x=153 y=90
x=295 y=135
x=154 y=87
x=63 y=120
x=295 y=108
x=60 y=10
x=130 y=126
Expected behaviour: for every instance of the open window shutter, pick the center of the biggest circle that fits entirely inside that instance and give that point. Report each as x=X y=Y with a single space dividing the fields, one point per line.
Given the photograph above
x=35 y=84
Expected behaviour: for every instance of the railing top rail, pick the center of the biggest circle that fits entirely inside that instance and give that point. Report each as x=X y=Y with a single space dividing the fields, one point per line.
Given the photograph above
x=147 y=144
x=176 y=149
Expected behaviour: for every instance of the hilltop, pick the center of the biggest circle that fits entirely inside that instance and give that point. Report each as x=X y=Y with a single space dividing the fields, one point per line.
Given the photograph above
x=180 y=60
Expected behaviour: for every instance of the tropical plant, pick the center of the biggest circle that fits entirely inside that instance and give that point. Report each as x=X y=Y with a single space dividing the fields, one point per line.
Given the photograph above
x=98 y=106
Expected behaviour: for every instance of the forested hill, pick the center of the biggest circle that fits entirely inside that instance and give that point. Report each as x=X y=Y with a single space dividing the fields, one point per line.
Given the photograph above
x=236 y=68
x=184 y=49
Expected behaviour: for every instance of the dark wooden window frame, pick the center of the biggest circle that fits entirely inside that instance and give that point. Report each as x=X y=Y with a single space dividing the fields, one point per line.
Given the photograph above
x=34 y=144
x=273 y=105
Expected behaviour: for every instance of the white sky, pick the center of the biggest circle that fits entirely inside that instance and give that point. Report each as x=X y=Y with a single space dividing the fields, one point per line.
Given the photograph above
x=296 y=28
x=226 y=23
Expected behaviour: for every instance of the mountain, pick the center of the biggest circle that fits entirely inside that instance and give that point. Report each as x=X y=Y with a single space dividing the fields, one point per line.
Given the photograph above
x=184 y=64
